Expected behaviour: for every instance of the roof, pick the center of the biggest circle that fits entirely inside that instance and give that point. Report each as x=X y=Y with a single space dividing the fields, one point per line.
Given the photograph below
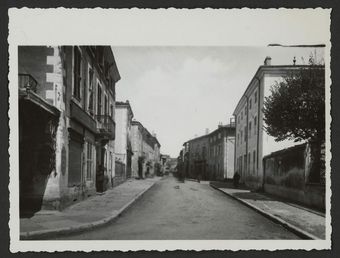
x=268 y=68
x=220 y=127
x=34 y=98
x=116 y=75
x=135 y=122
x=126 y=104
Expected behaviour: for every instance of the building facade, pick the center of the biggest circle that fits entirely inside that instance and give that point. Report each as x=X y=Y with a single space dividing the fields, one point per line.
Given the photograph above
x=211 y=155
x=146 y=151
x=123 y=145
x=165 y=166
x=252 y=141
x=66 y=123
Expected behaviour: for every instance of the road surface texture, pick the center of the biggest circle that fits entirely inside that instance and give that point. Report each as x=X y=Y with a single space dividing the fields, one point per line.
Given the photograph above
x=172 y=210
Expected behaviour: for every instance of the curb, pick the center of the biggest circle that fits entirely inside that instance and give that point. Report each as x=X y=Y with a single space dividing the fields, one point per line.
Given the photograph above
x=42 y=234
x=297 y=231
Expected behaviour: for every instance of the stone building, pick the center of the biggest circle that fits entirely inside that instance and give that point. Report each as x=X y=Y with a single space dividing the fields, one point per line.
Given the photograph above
x=211 y=155
x=146 y=151
x=123 y=145
x=197 y=162
x=66 y=123
x=165 y=163
x=220 y=159
x=252 y=142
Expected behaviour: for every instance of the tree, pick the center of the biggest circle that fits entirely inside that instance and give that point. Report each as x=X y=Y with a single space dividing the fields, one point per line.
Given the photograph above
x=295 y=110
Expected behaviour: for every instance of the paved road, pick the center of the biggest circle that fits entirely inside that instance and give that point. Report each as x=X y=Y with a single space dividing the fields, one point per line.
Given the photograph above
x=173 y=210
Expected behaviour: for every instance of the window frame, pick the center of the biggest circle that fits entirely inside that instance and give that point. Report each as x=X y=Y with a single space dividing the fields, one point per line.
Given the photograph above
x=89 y=161
x=91 y=91
x=99 y=106
x=77 y=73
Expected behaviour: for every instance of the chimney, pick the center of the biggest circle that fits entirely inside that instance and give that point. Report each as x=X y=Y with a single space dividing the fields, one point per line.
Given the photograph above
x=219 y=124
x=268 y=60
x=206 y=131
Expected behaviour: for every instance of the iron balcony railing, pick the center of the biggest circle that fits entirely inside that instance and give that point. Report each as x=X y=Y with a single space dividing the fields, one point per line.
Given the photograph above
x=26 y=81
x=106 y=126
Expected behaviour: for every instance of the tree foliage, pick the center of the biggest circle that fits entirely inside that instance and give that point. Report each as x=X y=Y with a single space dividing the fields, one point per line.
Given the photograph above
x=295 y=109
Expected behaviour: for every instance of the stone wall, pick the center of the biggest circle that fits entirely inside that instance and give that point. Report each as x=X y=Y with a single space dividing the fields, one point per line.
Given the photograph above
x=286 y=175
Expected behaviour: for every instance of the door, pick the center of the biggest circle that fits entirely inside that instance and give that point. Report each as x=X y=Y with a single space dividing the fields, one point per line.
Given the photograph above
x=75 y=164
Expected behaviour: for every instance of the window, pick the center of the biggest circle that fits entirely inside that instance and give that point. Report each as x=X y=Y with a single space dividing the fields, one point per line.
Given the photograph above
x=111 y=110
x=203 y=152
x=99 y=100
x=111 y=165
x=238 y=119
x=242 y=115
x=219 y=135
x=254 y=154
x=77 y=74
x=241 y=162
x=245 y=133
x=89 y=161
x=249 y=128
x=90 y=90
x=250 y=103
x=238 y=139
x=249 y=162
x=255 y=96
x=241 y=136
x=255 y=122
x=106 y=106
x=245 y=162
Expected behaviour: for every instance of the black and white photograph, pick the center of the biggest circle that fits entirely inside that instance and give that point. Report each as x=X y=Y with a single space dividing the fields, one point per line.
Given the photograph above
x=208 y=136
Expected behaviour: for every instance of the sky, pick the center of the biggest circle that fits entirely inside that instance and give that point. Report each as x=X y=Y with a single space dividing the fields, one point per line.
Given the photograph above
x=179 y=92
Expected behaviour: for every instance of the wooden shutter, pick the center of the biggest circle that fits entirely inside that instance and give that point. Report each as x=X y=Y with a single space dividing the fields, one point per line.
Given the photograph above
x=74 y=171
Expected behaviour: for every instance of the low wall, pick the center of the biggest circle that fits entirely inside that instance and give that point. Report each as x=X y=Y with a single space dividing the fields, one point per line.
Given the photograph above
x=313 y=195
x=286 y=175
x=120 y=174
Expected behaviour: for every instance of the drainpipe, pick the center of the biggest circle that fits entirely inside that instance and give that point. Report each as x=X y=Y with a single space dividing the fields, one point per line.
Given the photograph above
x=82 y=164
x=246 y=133
x=258 y=129
x=235 y=158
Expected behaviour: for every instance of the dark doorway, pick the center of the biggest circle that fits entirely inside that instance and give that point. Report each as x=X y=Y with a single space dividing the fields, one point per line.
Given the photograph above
x=36 y=155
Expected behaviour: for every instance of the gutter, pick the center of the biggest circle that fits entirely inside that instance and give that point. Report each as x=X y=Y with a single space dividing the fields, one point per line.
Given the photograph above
x=258 y=130
x=247 y=134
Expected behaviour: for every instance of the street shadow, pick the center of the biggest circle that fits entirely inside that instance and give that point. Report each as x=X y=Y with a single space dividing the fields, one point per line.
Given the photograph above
x=252 y=196
x=228 y=185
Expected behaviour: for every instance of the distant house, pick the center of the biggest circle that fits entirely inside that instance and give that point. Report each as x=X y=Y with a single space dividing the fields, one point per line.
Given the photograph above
x=146 y=151
x=211 y=155
x=123 y=145
x=165 y=166
x=252 y=141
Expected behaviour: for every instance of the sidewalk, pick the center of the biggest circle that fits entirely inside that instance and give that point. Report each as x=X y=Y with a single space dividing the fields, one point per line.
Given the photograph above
x=306 y=223
x=90 y=213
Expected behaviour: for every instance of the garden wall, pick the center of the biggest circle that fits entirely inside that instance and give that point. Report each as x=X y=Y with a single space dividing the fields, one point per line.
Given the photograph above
x=286 y=175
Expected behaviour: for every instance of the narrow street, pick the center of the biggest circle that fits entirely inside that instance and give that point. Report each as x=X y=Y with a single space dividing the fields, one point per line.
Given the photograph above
x=172 y=210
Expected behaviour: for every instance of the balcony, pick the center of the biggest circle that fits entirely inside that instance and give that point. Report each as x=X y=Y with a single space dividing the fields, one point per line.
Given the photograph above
x=78 y=114
x=27 y=82
x=106 y=127
x=30 y=99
